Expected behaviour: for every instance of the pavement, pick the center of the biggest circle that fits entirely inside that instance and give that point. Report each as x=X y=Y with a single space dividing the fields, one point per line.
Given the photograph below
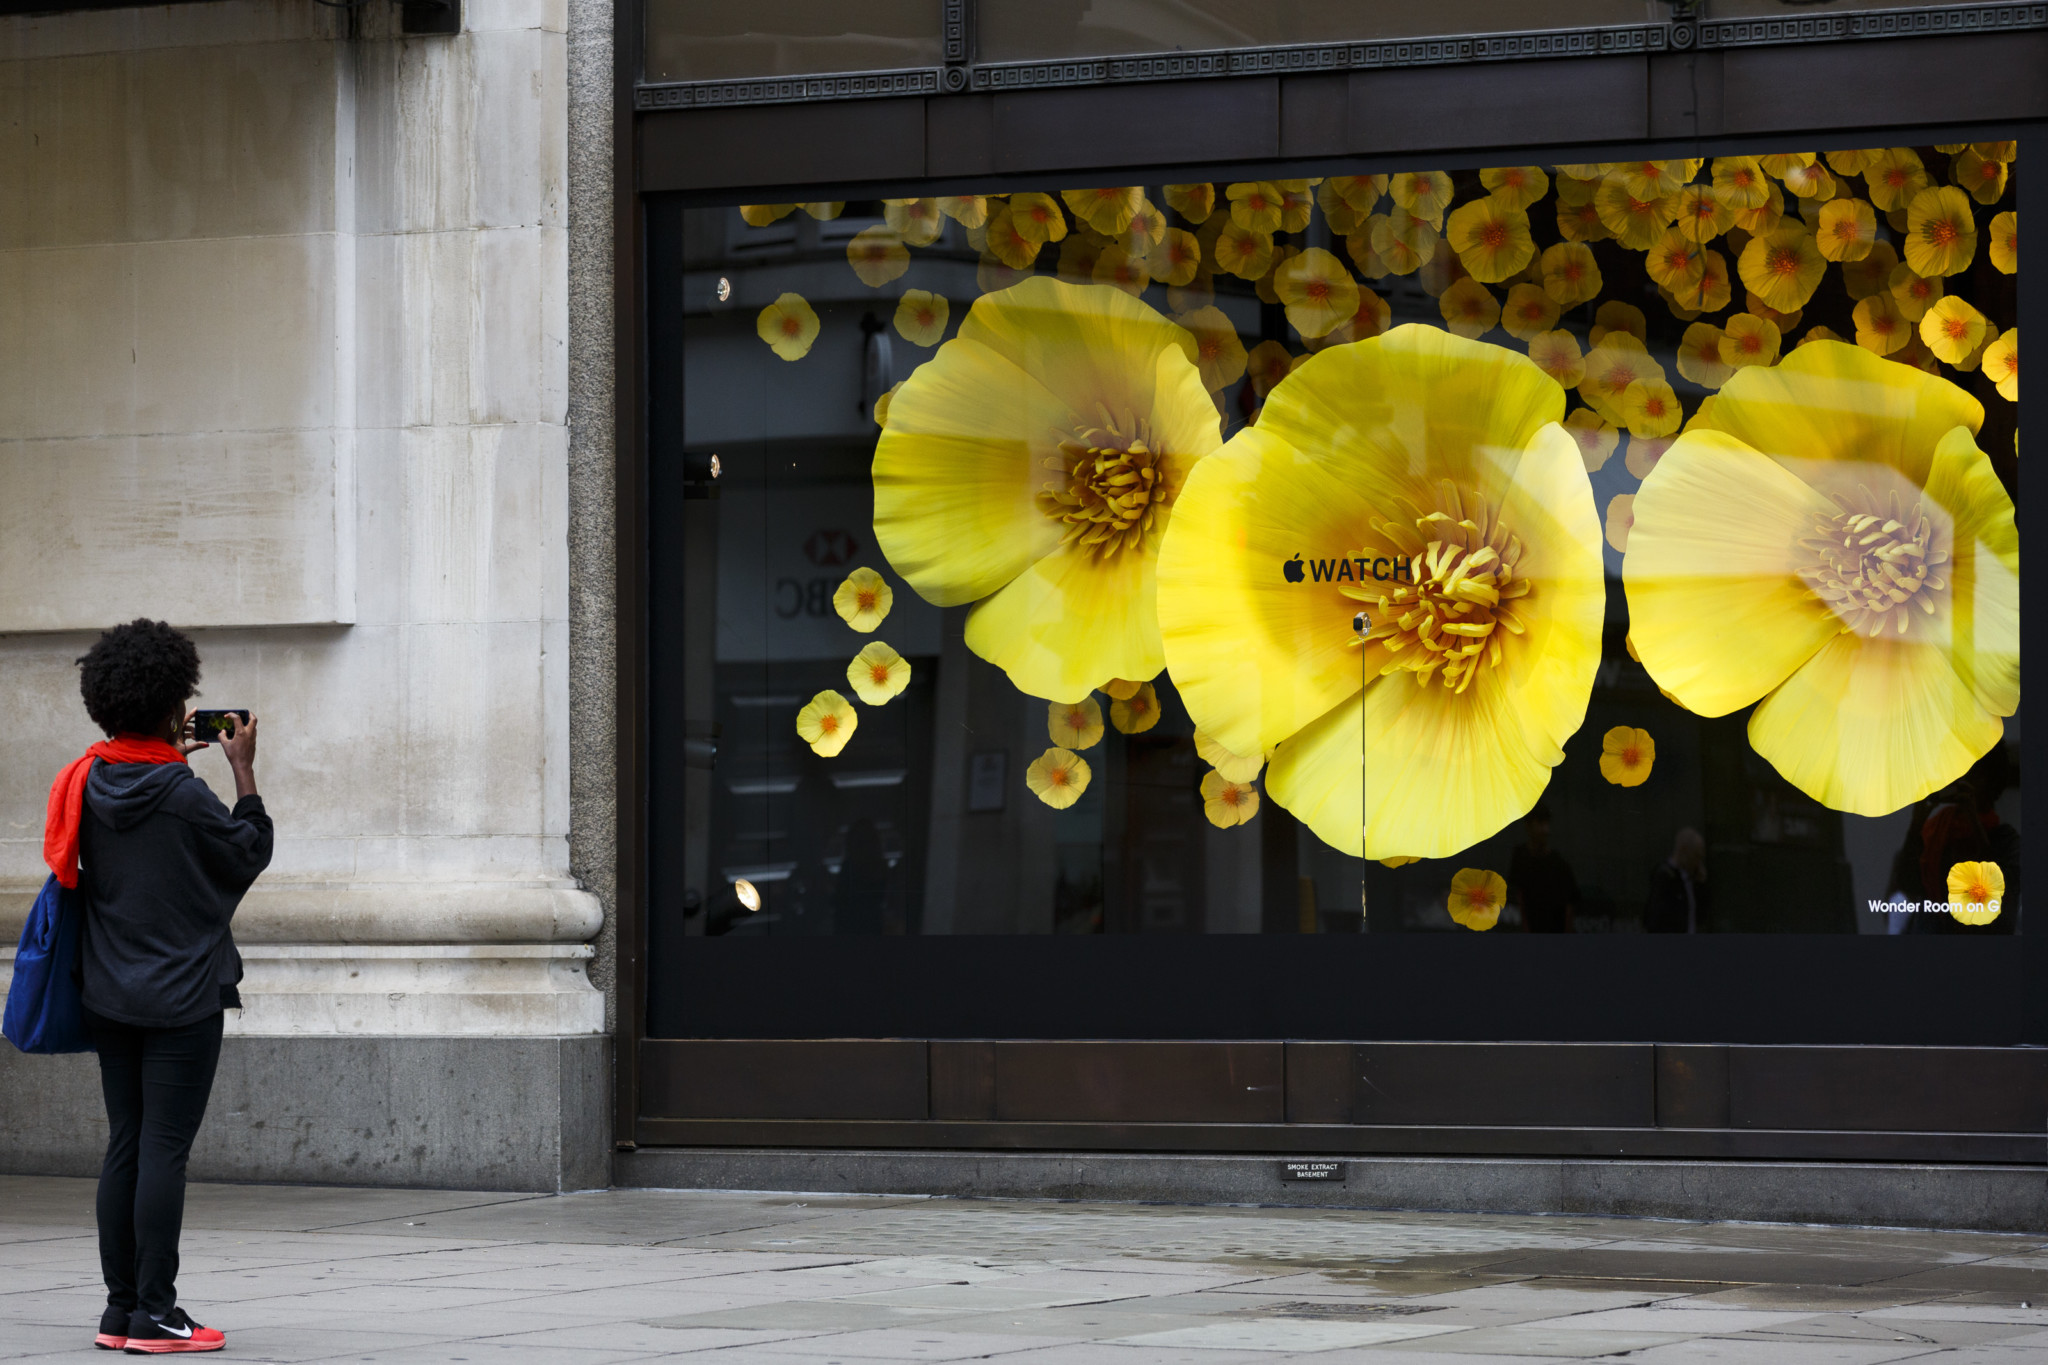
x=326 y=1274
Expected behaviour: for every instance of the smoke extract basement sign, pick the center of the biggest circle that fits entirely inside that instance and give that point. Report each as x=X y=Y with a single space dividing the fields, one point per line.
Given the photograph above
x=1312 y=1170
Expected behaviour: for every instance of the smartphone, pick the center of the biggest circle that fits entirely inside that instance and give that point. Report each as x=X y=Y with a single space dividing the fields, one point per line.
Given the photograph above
x=212 y=726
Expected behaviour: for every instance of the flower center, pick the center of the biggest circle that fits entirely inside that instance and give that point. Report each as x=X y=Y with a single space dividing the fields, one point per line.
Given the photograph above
x=828 y=723
x=1943 y=233
x=1447 y=623
x=1493 y=234
x=1782 y=262
x=1873 y=563
x=1115 y=490
x=865 y=599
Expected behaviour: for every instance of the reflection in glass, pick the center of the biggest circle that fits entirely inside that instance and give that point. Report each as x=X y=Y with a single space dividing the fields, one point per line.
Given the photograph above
x=704 y=40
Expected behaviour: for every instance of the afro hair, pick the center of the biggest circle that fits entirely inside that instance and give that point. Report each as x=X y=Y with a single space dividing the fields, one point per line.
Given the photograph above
x=135 y=675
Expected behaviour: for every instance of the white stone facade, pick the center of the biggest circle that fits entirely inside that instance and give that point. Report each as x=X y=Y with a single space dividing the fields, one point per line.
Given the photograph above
x=284 y=360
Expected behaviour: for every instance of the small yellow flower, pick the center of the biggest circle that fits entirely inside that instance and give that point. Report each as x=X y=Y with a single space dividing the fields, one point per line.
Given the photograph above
x=1218 y=354
x=968 y=210
x=1953 y=329
x=1699 y=356
x=1057 y=777
x=1425 y=194
x=1596 y=436
x=916 y=221
x=1618 y=361
x=1782 y=267
x=1626 y=755
x=1811 y=335
x=1192 y=202
x=1338 y=211
x=789 y=326
x=1119 y=269
x=1442 y=270
x=1616 y=316
x=1476 y=898
x=1581 y=222
x=1244 y=252
x=1080 y=253
x=1750 y=340
x=1997 y=151
x=1108 y=209
x=1175 y=258
x=1585 y=171
x=1679 y=264
x=878 y=674
x=824 y=210
x=1529 y=312
x=1122 y=689
x=1469 y=309
x=1256 y=206
x=827 y=723
x=1398 y=862
x=2002 y=364
x=1282 y=254
x=1137 y=713
x=1784 y=322
x=1636 y=223
x=878 y=256
x=1147 y=229
x=1975 y=891
x=1361 y=192
x=1871 y=274
x=1295 y=205
x=1851 y=163
x=1810 y=181
x=1037 y=218
x=1570 y=274
x=1739 y=182
x=1913 y=294
x=1880 y=325
x=1402 y=240
x=1575 y=190
x=1268 y=364
x=761 y=215
x=1895 y=176
x=1008 y=244
x=921 y=317
x=1971 y=361
x=1371 y=318
x=1318 y=291
x=1650 y=408
x=863 y=600
x=1941 y=232
x=1984 y=179
x=1228 y=803
x=1491 y=237
x=1766 y=216
x=1520 y=186
x=2005 y=242
x=1074 y=724
x=1848 y=229
x=1557 y=355
x=1621 y=515
x=1644 y=452
x=1700 y=213
x=1233 y=766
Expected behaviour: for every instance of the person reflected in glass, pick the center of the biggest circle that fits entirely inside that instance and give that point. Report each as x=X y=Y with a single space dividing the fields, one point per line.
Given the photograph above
x=1540 y=882
x=1963 y=826
x=1678 y=888
x=861 y=894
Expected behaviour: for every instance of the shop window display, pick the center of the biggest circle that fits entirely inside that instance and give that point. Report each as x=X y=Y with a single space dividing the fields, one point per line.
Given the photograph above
x=1609 y=547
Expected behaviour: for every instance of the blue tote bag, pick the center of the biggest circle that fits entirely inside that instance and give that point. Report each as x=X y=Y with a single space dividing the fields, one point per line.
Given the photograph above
x=44 y=1011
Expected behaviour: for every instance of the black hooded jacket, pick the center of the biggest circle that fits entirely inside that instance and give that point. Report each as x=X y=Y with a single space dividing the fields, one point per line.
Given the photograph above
x=164 y=864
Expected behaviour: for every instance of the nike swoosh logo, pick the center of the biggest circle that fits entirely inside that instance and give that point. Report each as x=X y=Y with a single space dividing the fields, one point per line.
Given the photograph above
x=176 y=1331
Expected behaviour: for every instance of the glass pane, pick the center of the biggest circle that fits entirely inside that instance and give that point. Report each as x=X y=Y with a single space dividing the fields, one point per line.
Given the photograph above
x=699 y=40
x=1018 y=31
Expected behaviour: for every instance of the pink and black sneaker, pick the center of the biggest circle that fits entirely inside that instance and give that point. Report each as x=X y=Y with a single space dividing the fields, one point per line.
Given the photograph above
x=113 y=1333
x=173 y=1332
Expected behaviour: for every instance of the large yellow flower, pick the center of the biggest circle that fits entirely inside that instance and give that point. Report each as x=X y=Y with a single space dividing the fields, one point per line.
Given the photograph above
x=1029 y=467
x=1416 y=448
x=1837 y=549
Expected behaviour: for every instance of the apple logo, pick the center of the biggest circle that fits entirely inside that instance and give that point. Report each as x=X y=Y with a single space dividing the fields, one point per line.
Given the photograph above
x=1292 y=570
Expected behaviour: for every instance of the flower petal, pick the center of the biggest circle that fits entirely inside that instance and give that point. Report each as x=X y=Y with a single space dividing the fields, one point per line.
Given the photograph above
x=1984 y=594
x=1071 y=622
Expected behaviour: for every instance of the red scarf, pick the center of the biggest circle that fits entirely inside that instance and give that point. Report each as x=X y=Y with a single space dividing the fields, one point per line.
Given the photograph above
x=67 y=796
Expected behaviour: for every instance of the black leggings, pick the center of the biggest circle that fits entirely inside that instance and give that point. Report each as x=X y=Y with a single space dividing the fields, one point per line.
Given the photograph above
x=155 y=1081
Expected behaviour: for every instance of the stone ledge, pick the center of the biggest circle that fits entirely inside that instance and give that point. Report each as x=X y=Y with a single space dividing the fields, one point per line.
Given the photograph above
x=386 y=912
x=1978 y=1198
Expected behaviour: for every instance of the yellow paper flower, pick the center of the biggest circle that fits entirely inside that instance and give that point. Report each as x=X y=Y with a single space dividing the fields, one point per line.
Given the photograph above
x=1576 y=190
x=1765 y=217
x=1941 y=232
x=1865 y=277
x=1029 y=467
x=1913 y=294
x=1008 y=243
x=827 y=723
x=1740 y=183
x=1976 y=892
x=864 y=599
x=1653 y=179
x=1361 y=192
x=882 y=404
x=1953 y=329
x=1372 y=317
x=2002 y=364
x=789 y=326
x=1679 y=264
x=1282 y=254
x=1636 y=223
x=761 y=215
x=1810 y=181
x=1268 y=364
x=1519 y=186
x=1175 y=258
x=1338 y=211
x=1244 y=252
x=1080 y=253
x=1617 y=362
x=1108 y=209
x=1122 y=689
x=1442 y=270
x=1784 y=322
x=1416 y=445
x=1557 y=355
x=1848 y=229
x=968 y=210
x=1318 y=291
x=2005 y=242
x=1841 y=511
x=1782 y=267
x=878 y=674
x=1255 y=206
x=878 y=256
x=1984 y=179
x=824 y=210
x=1217 y=352
x=1851 y=163
x=1469 y=308
x=1120 y=269
x=1699 y=356
x=1234 y=767
x=1626 y=755
x=1425 y=194
x=916 y=221
x=921 y=317
x=1997 y=151
x=1058 y=777
x=1074 y=724
x=1616 y=316
x=1491 y=237
x=1620 y=517
x=1228 y=803
x=1597 y=437
x=1192 y=202
x=1895 y=176
x=1296 y=206
x=1037 y=218
x=1880 y=326
x=1644 y=452
x=1477 y=897
x=1137 y=713
x=1402 y=240
x=1581 y=222
x=1700 y=213
x=1650 y=408
x=1570 y=274
x=1529 y=312
x=1750 y=340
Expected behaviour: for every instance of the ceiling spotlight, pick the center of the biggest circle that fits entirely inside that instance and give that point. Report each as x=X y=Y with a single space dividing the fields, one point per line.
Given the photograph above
x=749 y=896
x=724 y=289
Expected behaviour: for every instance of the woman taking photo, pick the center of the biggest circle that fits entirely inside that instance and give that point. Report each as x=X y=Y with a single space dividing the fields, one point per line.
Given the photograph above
x=162 y=864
